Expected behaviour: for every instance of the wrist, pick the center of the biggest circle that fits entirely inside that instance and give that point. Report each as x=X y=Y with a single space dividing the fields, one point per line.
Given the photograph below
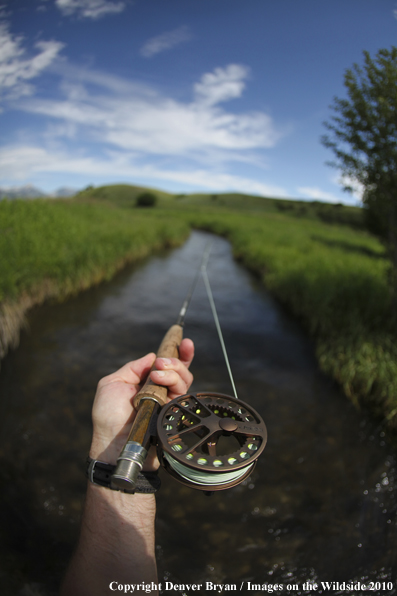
x=105 y=449
x=113 y=511
x=118 y=501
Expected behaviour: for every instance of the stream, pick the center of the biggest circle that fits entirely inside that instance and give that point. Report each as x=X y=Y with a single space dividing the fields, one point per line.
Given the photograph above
x=320 y=505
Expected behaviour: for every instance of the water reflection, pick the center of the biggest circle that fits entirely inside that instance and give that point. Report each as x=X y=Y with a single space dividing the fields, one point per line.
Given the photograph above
x=320 y=504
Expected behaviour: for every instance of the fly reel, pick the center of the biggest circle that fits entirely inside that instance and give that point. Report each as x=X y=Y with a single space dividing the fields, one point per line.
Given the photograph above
x=209 y=441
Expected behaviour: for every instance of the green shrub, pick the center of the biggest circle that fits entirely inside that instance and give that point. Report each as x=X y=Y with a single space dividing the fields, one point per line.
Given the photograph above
x=146 y=199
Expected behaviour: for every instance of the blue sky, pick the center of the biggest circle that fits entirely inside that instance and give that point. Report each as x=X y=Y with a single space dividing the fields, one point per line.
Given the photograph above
x=183 y=95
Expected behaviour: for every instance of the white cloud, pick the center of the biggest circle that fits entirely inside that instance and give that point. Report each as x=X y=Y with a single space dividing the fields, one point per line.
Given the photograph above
x=218 y=181
x=104 y=127
x=221 y=85
x=317 y=194
x=16 y=68
x=166 y=41
x=37 y=160
x=90 y=9
x=137 y=118
x=355 y=185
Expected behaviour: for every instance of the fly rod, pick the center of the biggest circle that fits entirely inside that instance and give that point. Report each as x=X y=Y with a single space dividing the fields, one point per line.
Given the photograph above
x=148 y=401
x=207 y=441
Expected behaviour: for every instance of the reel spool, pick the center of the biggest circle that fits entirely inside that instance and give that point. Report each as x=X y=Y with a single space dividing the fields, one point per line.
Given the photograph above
x=209 y=441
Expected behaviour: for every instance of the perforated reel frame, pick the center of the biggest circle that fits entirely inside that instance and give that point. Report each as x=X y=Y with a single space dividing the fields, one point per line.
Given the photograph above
x=211 y=433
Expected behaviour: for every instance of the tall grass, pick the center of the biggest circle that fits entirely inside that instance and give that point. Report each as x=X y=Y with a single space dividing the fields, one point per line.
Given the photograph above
x=55 y=248
x=334 y=280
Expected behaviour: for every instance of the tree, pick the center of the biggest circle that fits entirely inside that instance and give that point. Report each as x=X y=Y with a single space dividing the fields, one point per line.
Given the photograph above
x=363 y=136
x=146 y=199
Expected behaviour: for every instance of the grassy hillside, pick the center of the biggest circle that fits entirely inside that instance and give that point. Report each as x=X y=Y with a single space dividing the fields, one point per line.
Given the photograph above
x=121 y=195
x=314 y=258
x=124 y=195
x=330 y=213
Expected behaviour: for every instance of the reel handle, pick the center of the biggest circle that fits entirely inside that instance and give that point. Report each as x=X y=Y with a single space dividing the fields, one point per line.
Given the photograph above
x=149 y=399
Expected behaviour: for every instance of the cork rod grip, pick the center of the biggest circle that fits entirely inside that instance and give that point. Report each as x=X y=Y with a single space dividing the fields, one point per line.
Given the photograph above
x=134 y=452
x=168 y=349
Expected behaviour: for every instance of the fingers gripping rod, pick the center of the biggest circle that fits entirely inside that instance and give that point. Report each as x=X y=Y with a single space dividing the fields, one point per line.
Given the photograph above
x=148 y=401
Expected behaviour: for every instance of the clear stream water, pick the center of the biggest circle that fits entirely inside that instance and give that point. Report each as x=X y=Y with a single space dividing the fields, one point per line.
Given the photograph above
x=320 y=505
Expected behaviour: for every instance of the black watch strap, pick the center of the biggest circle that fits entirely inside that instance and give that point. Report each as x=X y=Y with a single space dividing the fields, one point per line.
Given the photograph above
x=99 y=472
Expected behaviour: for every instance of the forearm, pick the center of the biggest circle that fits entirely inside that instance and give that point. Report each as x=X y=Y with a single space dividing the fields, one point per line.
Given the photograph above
x=116 y=543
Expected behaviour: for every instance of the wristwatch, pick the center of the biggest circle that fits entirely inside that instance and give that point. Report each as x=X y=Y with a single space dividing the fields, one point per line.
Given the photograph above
x=99 y=472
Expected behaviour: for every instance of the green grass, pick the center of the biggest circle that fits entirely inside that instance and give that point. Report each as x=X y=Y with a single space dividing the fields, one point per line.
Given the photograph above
x=56 y=248
x=331 y=276
x=124 y=195
x=330 y=213
x=334 y=280
x=73 y=244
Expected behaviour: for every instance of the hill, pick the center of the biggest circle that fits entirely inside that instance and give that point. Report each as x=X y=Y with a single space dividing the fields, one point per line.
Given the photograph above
x=121 y=195
x=125 y=195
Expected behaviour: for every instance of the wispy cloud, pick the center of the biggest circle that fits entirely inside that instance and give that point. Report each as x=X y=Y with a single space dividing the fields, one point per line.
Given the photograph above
x=103 y=126
x=317 y=194
x=138 y=118
x=221 y=85
x=90 y=9
x=17 y=67
x=37 y=160
x=165 y=41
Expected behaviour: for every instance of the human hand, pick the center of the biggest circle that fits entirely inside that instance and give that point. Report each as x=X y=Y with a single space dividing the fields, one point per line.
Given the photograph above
x=113 y=411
